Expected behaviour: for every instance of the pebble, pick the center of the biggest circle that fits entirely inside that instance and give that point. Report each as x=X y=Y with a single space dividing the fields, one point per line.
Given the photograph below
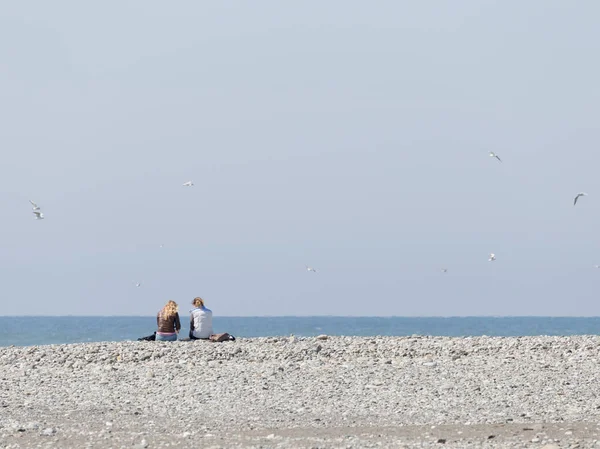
x=32 y=426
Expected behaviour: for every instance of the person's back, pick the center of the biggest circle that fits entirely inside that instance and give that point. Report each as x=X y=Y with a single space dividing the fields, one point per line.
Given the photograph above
x=168 y=323
x=200 y=321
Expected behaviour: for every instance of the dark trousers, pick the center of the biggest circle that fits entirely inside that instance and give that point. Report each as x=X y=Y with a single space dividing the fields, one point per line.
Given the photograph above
x=194 y=338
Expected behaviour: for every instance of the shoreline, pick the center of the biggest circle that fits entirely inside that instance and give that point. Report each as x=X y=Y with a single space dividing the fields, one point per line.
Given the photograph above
x=72 y=329
x=293 y=338
x=304 y=392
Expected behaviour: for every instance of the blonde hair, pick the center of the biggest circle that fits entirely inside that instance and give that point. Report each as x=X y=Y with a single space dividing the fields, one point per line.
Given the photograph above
x=169 y=310
x=198 y=302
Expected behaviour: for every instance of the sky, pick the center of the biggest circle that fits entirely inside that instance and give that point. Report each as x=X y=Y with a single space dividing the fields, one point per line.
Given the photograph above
x=348 y=136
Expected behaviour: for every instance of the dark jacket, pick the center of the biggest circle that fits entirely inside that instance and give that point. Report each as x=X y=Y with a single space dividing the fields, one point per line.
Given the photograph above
x=168 y=325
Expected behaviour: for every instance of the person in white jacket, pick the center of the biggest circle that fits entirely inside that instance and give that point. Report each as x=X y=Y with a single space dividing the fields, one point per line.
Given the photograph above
x=200 y=321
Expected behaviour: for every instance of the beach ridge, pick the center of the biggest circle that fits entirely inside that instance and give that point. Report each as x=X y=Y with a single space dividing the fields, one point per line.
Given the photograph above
x=304 y=392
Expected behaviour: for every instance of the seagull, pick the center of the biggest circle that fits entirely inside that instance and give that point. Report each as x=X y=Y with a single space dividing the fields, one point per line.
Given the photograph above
x=492 y=154
x=138 y=284
x=577 y=197
x=38 y=215
x=162 y=246
x=310 y=269
x=188 y=184
x=492 y=257
x=444 y=270
x=35 y=206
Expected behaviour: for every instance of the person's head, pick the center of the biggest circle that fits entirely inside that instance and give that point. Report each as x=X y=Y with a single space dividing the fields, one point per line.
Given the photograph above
x=198 y=302
x=169 y=309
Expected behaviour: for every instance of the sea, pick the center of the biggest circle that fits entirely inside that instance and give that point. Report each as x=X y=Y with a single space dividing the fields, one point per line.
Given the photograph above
x=44 y=330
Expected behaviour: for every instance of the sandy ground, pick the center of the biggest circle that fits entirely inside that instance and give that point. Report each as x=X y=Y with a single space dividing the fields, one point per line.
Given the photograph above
x=510 y=435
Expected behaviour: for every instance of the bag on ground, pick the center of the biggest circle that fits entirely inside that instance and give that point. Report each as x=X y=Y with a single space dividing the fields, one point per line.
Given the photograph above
x=148 y=338
x=218 y=338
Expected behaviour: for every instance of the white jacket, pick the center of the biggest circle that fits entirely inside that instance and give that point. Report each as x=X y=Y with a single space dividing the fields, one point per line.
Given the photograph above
x=202 y=319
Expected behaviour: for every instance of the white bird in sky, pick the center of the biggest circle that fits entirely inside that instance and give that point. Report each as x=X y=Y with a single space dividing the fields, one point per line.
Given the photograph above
x=137 y=284
x=492 y=257
x=38 y=215
x=580 y=194
x=188 y=184
x=35 y=206
x=492 y=154
x=310 y=269
x=444 y=270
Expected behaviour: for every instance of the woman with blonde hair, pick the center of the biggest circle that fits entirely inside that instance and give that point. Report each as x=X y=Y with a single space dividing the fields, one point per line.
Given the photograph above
x=168 y=322
x=200 y=320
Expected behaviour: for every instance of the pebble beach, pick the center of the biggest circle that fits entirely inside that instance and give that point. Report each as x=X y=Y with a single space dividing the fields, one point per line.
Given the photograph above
x=318 y=392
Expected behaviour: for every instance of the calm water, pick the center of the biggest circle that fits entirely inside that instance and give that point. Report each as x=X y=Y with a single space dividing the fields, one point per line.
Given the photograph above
x=23 y=331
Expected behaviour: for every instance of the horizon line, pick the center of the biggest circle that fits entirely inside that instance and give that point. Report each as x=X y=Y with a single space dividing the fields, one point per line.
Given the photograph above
x=312 y=316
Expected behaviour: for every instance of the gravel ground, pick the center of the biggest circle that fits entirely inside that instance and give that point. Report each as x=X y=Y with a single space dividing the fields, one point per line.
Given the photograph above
x=345 y=392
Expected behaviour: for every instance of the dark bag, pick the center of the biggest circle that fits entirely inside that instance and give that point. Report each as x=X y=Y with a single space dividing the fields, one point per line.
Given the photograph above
x=148 y=338
x=218 y=338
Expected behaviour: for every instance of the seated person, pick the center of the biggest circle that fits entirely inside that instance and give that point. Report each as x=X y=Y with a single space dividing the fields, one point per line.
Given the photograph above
x=168 y=322
x=200 y=321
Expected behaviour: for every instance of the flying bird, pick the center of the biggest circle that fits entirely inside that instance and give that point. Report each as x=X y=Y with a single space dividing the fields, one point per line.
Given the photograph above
x=444 y=270
x=38 y=215
x=577 y=197
x=138 y=284
x=188 y=184
x=310 y=269
x=492 y=257
x=492 y=154
x=35 y=206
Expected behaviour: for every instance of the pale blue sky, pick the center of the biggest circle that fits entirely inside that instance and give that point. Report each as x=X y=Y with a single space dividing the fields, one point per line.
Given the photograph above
x=351 y=136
